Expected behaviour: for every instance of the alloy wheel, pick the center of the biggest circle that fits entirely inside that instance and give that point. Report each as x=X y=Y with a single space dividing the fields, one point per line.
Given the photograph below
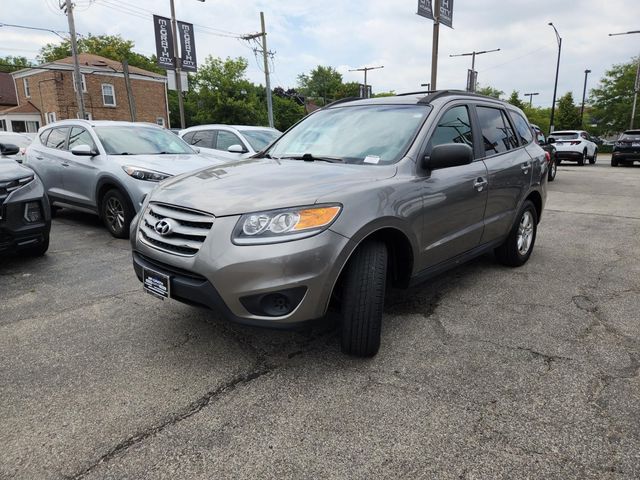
x=525 y=233
x=114 y=214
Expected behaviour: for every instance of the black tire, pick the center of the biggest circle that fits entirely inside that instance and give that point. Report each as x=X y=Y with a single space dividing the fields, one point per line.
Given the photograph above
x=363 y=299
x=593 y=159
x=614 y=162
x=583 y=158
x=39 y=249
x=54 y=211
x=116 y=213
x=509 y=253
x=558 y=162
x=553 y=170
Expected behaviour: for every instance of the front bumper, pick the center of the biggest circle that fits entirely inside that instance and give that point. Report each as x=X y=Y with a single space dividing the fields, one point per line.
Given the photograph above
x=222 y=276
x=15 y=232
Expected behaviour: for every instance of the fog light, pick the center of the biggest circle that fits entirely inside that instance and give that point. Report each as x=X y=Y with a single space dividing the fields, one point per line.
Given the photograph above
x=274 y=304
x=32 y=212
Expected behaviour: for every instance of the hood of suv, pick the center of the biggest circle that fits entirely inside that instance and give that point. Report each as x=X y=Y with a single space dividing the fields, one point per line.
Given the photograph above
x=12 y=170
x=171 y=164
x=262 y=184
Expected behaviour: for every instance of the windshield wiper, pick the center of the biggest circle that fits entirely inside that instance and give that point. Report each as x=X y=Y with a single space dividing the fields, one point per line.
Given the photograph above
x=307 y=157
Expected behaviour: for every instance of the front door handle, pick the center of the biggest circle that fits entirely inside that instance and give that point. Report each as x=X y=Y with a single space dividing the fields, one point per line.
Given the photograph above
x=65 y=164
x=39 y=158
x=480 y=183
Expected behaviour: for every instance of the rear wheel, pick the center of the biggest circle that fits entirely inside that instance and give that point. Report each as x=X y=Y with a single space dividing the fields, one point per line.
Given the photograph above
x=593 y=159
x=614 y=162
x=553 y=169
x=584 y=158
x=363 y=299
x=116 y=213
x=517 y=248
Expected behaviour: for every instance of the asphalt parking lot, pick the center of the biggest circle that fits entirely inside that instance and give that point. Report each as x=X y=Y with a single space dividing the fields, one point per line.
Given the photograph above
x=485 y=372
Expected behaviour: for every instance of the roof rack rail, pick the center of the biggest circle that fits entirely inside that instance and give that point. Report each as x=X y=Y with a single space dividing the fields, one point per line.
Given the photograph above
x=342 y=100
x=443 y=93
x=420 y=92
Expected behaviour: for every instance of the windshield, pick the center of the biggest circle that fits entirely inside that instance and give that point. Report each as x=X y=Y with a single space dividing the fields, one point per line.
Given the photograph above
x=377 y=134
x=630 y=136
x=15 y=139
x=258 y=139
x=136 y=140
x=564 y=136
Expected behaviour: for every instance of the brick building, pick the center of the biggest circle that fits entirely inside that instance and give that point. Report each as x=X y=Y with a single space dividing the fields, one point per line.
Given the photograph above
x=48 y=91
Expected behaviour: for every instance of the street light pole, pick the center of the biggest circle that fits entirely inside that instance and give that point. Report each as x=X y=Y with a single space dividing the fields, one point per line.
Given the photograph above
x=636 y=86
x=365 y=70
x=76 y=64
x=555 y=87
x=178 y=70
x=530 y=95
x=473 y=64
x=584 y=93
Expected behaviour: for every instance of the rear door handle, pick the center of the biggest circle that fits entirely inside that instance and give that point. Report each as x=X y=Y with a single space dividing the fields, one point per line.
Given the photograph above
x=525 y=167
x=39 y=158
x=480 y=183
x=65 y=164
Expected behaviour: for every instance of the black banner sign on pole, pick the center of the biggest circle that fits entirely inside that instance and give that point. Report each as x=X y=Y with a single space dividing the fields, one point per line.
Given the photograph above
x=164 y=42
x=425 y=9
x=187 y=47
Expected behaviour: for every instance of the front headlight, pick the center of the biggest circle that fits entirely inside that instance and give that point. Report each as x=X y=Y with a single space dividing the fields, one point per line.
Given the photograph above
x=145 y=174
x=284 y=225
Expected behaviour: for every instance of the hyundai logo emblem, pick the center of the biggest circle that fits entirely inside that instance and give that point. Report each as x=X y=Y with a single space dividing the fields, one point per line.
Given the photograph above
x=164 y=227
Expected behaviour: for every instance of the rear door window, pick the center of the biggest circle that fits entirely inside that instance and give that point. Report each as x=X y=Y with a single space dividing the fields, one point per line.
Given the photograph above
x=58 y=138
x=497 y=136
x=44 y=135
x=203 y=138
x=523 y=129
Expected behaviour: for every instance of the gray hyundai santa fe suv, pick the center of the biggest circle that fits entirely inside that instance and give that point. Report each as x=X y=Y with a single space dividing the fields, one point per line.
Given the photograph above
x=356 y=197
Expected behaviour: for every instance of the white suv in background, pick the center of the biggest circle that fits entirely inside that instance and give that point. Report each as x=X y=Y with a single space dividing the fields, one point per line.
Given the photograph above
x=575 y=145
x=230 y=142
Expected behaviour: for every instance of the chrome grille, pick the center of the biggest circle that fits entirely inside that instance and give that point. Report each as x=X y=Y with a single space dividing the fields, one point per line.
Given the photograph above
x=7 y=187
x=188 y=229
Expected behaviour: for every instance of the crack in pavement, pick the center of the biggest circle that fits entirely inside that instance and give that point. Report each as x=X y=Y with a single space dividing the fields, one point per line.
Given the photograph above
x=260 y=370
x=548 y=359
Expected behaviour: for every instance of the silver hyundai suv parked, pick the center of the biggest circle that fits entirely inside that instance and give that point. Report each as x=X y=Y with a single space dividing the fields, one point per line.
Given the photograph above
x=107 y=167
x=356 y=197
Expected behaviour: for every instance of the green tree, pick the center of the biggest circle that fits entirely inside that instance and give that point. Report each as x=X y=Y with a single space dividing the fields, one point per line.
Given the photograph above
x=567 y=114
x=109 y=46
x=539 y=117
x=11 y=63
x=322 y=84
x=286 y=112
x=611 y=100
x=390 y=93
x=490 y=91
x=514 y=99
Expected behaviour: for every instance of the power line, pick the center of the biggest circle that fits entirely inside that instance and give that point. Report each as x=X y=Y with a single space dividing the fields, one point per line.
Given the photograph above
x=55 y=32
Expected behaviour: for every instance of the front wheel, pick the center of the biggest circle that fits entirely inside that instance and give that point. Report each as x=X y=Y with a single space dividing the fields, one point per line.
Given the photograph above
x=363 y=299
x=40 y=249
x=553 y=169
x=116 y=213
x=517 y=248
x=593 y=159
x=614 y=162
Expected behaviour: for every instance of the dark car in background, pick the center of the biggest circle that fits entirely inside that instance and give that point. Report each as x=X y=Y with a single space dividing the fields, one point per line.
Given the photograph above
x=552 y=153
x=627 y=149
x=25 y=215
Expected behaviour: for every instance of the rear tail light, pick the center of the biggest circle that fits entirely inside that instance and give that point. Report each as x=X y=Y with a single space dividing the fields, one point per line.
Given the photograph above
x=547 y=156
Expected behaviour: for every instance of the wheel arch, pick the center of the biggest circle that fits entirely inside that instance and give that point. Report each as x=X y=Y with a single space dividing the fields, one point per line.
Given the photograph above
x=105 y=184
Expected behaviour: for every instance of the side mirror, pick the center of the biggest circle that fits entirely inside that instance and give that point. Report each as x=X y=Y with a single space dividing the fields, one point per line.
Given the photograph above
x=551 y=140
x=83 y=151
x=236 y=148
x=448 y=155
x=196 y=149
x=9 y=149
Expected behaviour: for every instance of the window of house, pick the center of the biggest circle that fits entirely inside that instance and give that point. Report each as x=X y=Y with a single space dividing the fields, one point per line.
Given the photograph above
x=453 y=127
x=50 y=117
x=32 y=126
x=108 y=95
x=497 y=135
x=3 y=125
x=27 y=90
x=83 y=80
x=226 y=139
x=160 y=121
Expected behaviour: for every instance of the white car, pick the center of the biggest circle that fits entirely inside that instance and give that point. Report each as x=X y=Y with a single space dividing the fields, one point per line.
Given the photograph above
x=229 y=142
x=574 y=145
x=20 y=140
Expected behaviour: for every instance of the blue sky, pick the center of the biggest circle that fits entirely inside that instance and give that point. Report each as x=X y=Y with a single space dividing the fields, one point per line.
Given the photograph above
x=355 y=33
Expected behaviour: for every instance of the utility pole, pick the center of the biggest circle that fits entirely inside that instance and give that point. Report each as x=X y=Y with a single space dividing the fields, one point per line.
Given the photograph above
x=127 y=83
x=555 y=87
x=265 y=57
x=436 y=38
x=584 y=94
x=365 y=70
x=74 y=53
x=473 y=64
x=530 y=95
x=178 y=70
x=636 y=86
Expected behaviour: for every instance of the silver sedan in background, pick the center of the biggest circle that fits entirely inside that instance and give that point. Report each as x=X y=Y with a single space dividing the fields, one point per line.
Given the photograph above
x=231 y=142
